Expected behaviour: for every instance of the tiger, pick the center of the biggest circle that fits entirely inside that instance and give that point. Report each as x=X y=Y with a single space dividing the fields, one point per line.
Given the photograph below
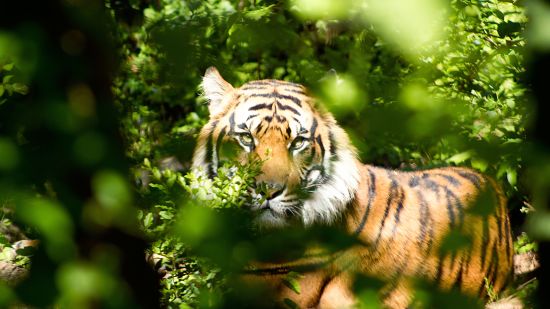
x=313 y=177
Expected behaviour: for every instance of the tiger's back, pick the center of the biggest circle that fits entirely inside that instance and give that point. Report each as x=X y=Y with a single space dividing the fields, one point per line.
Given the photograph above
x=447 y=225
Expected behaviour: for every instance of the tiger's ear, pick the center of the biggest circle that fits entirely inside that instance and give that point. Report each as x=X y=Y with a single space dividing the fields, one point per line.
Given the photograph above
x=215 y=90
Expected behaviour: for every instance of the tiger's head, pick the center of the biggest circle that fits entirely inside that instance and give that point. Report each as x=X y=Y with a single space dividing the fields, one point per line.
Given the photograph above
x=308 y=164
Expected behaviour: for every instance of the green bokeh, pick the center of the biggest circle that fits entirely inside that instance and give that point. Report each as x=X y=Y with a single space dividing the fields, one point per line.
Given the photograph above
x=9 y=156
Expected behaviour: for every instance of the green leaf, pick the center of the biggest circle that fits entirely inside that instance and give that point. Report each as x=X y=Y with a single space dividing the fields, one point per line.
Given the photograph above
x=166 y=215
x=20 y=88
x=479 y=164
x=511 y=176
x=7 y=79
x=8 y=67
x=291 y=281
x=260 y=13
x=148 y=220
x=460 y=157
x=291 y=304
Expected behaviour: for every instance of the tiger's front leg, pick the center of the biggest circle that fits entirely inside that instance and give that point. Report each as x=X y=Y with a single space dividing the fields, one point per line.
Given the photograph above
x=303 y=289
x=337 y=293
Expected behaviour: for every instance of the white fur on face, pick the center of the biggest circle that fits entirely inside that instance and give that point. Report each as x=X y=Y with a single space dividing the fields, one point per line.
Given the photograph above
x=330 y=199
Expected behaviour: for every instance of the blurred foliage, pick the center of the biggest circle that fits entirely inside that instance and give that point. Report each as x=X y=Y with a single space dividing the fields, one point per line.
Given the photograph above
x=524 y=244
x=62 y=168
x=416 y=84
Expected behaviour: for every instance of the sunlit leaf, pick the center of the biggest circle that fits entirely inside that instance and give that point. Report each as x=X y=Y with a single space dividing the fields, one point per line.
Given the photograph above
x=259 y=13
x=322 y=8
x=460 y=157
x=291 y=280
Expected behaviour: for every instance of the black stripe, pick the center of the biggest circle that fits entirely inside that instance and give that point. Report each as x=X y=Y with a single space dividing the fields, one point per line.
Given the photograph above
x=491 y=271
x=414 y=181
x=294 y=99
x=439 y=271
x=371 y=194
x=431 y=235
x=494 y=265
x=432 y=185
x=290 y=84
x=265 y=82
x=269 y=95
x=332 y=147
x=507 y=232
x=320 y=143
x=299 y=91
x=391 y=287
x=251 y=116
x=457 y=204
x=208 y=157
x=453 y=256
x=268 y=118
x=466 y=265
x=392 y=195
x=473 y=178
x=219 y=140
x=507 y=239
x=242 y=126
x=211 y=169
x=400 y=203
x=452 y=180
x=288 y=131
x=258 y=128
x=276 y=95
x=425 y=217
x=458 y=280
x=482 y=292
x=261 y=106
x=498 y=216
x=232 y=123
x=286 y=107
x=313 y=128
x=259 y=87
x=450 y=212
x=485 y=242
x=272 y=82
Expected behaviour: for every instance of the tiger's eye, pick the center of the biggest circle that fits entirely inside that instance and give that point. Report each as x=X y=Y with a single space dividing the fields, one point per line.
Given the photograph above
x=298 y=142
x=246 y=139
